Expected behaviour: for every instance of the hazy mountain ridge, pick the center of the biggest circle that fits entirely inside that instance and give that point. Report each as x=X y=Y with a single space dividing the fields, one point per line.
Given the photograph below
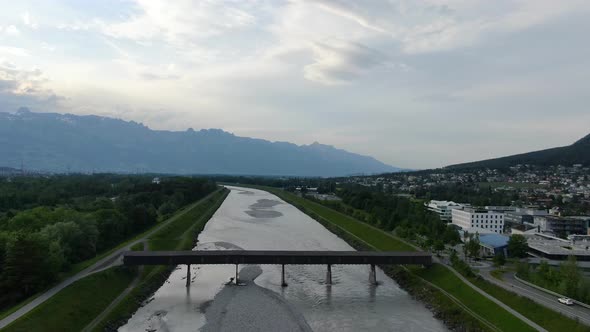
x=577 y=153
x=62 y=142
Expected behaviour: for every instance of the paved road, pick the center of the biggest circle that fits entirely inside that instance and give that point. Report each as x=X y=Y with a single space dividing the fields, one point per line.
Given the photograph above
x=108 y=261
x=547 y=300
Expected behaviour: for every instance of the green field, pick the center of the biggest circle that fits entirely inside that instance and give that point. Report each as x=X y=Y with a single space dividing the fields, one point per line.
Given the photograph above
x=76 y=305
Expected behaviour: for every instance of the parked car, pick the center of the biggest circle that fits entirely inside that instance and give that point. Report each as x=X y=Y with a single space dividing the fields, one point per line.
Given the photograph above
x=565 y=300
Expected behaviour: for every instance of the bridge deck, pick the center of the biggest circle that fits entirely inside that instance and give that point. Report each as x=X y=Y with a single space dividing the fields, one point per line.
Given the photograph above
x=274 y=257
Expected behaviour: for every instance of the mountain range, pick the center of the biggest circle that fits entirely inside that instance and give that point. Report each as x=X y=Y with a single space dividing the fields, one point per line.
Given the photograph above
x=67 y=142
x=576 y=153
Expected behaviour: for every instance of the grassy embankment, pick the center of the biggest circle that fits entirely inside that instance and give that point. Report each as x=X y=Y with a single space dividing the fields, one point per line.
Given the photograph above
x=74 y=269
x=445 y=279
x=547 y=318
x=181 y=235
x=77 y=305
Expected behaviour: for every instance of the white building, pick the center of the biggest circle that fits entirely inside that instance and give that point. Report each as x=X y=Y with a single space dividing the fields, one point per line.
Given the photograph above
x=443 y=208
x=470 y=217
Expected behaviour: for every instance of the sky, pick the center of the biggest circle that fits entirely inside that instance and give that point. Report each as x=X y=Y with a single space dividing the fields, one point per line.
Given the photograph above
x=415 y=84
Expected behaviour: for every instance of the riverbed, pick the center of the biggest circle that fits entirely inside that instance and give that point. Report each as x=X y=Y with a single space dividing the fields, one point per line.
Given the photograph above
x=257 y=220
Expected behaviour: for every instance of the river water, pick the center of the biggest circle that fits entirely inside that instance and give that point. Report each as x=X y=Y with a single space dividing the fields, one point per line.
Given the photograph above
x=257 y=220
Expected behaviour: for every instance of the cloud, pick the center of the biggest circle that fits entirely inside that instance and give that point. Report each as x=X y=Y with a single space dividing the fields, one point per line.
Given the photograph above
x=13 y=51
x=29 y=21
x=342 y=62
x=157 y=77
x=182 y=22
x=427 y=26
x=24 y=87
x=11 y=30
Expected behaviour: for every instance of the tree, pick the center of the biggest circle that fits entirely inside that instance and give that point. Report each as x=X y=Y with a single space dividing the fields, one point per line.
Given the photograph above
x=28 y=267
x=517 y=246
x=451 y=236
x=472 y=246
x=499 y=260
x=523 y=270
x=438 y=246
x=570 y=277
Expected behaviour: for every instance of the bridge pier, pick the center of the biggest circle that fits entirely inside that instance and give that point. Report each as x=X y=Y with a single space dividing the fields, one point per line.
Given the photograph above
x=237 y=274
x=188 y=275
x=283 y=283
x=373 y=275
x=329 y=275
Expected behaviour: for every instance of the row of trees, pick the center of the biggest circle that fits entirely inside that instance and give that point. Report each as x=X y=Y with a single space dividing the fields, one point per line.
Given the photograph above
x=566 y=279
x=38 y=243
x=406 y=216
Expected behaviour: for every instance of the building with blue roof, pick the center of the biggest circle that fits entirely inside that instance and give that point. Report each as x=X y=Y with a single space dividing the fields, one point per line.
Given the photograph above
x=493 y=244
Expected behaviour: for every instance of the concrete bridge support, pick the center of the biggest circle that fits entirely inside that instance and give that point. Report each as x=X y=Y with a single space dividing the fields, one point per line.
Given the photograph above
x=188 y=275
x=237 y=282
x=373 y=275
x=283 y=282
x=329 y=275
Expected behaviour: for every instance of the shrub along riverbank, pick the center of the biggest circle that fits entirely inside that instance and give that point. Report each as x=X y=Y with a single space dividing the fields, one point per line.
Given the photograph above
x=76 y=306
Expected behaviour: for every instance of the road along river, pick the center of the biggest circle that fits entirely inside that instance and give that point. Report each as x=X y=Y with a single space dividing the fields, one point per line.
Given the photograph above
x=257 y=220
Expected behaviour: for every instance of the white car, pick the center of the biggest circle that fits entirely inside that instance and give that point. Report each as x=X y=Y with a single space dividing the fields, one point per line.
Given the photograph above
x=565 y=300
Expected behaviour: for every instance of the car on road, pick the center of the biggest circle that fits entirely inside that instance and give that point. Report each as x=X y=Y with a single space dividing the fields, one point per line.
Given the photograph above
x=565 y=300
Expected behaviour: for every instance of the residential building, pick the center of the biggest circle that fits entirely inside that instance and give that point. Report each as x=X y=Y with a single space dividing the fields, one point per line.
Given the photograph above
x=479 y=218
x=443 y=208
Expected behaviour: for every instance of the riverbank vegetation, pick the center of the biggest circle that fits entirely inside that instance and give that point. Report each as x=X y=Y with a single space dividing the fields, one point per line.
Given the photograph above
x=50 y=226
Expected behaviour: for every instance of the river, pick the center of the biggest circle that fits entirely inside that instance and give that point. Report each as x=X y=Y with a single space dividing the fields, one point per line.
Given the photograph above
x=257 y=220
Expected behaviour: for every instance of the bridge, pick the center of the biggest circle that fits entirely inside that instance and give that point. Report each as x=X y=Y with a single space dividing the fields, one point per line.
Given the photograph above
x=270 y=257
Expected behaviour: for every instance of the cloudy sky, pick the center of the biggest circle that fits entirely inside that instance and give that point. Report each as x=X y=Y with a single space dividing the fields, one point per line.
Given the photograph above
x=413 y=83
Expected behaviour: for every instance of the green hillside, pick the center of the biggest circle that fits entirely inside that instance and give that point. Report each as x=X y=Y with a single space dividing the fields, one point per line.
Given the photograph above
x=577 y=153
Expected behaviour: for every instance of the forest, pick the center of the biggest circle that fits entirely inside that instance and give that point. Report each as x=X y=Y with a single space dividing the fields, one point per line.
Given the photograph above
x=49 y=224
